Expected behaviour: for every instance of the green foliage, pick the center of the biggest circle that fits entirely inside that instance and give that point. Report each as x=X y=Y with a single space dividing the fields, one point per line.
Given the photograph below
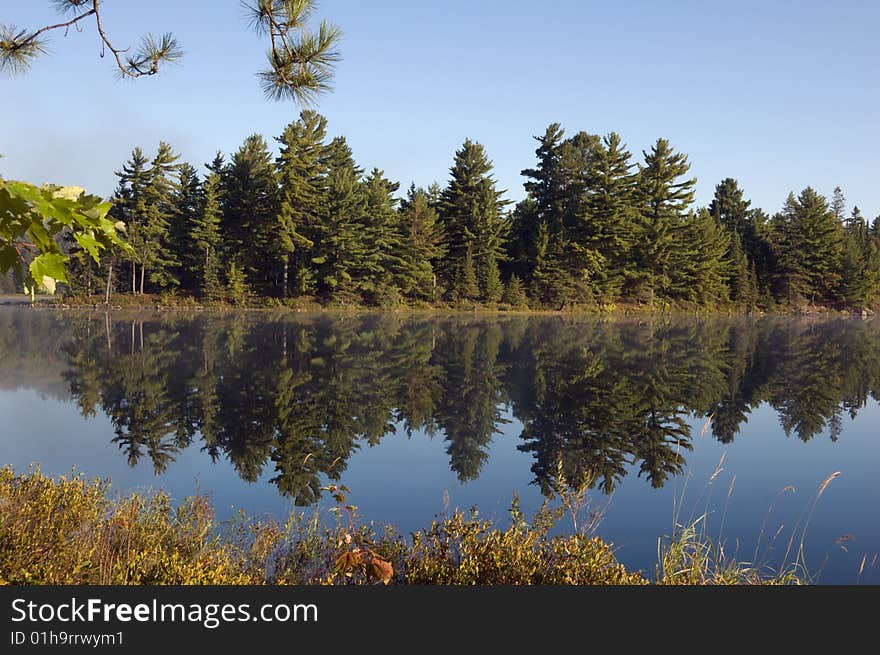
x=32 y=220
x=609 y=220
x=700 y=261
x=301 y=61
x=212 y=286
x=341 y=249
x=465 y=285
x=237 y=289
x=664 y=199
x=186 y=211
x=422 y=243
x=309 y=228
x=148 y=199
x=860 y=263
x=383 y=265
x=250 y=195
x=466 y=550
x=205 y=240
x=729 y=207
x=515 y=293
x=158 y=256
x=475 y=230
x=552 y=245
x=300 y=169
x=555 y=282
x=808 y=242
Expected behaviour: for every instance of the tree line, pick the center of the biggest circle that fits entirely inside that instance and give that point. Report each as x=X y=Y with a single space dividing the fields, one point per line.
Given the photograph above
x=301 y=397
x=596 y=228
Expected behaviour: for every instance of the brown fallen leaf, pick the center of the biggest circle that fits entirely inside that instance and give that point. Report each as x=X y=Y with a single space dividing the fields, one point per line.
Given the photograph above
x=381 y=570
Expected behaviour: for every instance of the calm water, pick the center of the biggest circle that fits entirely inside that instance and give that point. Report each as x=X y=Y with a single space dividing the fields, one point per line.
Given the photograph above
x=416 y=414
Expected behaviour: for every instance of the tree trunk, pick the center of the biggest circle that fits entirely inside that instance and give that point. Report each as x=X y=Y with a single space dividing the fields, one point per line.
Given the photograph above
x=133 y=278
x=284 y=276
x=143 y=268
x=109 y=278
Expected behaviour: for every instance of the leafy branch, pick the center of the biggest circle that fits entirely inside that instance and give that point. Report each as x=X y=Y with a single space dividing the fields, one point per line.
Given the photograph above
x=31 y=218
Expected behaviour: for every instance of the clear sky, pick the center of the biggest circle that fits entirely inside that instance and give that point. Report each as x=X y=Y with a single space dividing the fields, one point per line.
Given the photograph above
x=779 y=95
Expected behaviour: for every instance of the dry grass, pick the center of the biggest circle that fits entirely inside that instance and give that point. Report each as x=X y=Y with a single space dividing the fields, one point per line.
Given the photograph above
x=690 y=555
x=70 y=530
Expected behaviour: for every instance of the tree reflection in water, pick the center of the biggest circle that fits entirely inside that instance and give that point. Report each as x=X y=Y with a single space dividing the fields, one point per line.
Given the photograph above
x=302 y=394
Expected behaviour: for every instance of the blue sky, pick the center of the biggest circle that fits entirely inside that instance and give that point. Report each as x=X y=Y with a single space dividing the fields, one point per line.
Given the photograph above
x=779 y=95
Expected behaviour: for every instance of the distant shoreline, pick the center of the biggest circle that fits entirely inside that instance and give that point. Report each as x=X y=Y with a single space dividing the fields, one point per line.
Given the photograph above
x=189 y=304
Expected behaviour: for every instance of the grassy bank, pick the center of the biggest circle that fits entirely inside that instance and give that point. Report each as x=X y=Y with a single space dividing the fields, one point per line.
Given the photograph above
x=311 y=304
x=71 y=530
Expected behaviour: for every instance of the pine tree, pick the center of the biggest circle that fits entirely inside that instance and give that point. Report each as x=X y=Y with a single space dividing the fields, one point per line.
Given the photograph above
x=729 y=207
x=472 y=221
x=747 y=243
x=808 y=245
x=493 y=288
x=204 y=235
x=740 y=277
x=700 y=263
x=339 y=242
x=838 y=205
x=383 y=265
x=554 y=282
x=521 y=251
x=515 y=293
x=217 y=165
x=609 y=227
x=860 y=263
x=664 y=198
x=558 y=186
x=249 y=212
x=856 y=224
x=157 y=255
x=489 y=239
x=237 y=289
x=422 y=242
x=187 y=205
x=128 y=206
x=212 y=286
x=300 y=169
x=466 y=287
x=546 y=188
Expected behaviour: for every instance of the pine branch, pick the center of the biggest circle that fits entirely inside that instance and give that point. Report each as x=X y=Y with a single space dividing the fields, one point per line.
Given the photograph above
x=18 y=48
x=300 y=62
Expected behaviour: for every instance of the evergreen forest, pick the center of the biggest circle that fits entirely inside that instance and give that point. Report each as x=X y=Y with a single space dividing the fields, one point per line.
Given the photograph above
x=598 y=228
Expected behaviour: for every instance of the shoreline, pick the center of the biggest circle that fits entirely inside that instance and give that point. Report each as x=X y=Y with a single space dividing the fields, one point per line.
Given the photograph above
x=191 y=305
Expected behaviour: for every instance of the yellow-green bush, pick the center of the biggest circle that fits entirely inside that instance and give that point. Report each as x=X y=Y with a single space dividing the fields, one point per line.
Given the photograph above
x=463 y=549
x=69 y=530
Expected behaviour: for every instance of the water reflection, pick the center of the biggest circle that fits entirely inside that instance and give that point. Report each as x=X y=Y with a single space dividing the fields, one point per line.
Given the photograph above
x=301 y=394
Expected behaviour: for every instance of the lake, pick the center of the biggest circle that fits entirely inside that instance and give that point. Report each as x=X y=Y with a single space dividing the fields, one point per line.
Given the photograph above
x=737 y=420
